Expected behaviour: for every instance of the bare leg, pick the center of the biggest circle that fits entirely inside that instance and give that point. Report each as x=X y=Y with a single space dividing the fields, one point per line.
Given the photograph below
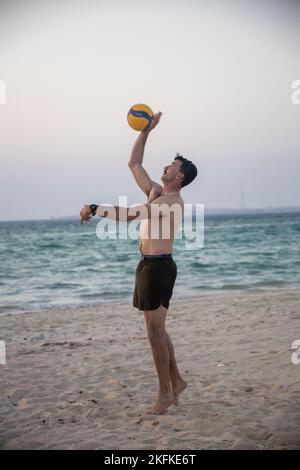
x=178 y=384
x=155 y=320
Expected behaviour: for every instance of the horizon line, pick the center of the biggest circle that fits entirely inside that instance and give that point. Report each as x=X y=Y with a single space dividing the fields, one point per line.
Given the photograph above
x=295 y=208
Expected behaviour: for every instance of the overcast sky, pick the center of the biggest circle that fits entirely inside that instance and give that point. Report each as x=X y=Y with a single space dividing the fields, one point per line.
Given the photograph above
x=220 y=71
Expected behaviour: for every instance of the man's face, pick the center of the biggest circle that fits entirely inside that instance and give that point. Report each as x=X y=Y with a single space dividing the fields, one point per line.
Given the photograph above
x=171 y=171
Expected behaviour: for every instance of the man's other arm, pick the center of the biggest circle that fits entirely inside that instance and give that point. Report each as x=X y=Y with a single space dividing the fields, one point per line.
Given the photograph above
x=141 y=211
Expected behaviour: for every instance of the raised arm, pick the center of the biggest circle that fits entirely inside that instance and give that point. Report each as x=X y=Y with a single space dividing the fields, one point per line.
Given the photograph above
x=136 y=159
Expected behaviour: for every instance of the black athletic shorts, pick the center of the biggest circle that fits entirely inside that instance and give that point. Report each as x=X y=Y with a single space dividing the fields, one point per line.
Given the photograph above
x=154 y=281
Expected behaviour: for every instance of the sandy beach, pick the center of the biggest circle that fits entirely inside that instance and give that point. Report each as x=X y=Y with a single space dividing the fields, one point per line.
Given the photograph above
x=83 y=378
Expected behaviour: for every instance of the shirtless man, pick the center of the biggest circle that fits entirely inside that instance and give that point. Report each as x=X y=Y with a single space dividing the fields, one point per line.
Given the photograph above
x=156 y=271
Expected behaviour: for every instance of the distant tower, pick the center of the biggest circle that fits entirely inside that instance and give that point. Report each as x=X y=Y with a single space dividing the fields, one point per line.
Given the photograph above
x=242 y=196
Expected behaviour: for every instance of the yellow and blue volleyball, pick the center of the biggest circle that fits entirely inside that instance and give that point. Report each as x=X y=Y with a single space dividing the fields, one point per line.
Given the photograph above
x=139 y=117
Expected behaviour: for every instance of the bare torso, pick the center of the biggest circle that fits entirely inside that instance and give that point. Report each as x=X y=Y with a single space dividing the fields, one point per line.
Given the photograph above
x=153 y=239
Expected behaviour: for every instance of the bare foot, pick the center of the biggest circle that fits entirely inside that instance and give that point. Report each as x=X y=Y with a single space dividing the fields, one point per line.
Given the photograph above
x=163 y=402
x=177 y=387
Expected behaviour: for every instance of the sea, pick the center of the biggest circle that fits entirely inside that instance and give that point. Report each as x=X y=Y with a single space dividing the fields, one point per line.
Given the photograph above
x=57 y=263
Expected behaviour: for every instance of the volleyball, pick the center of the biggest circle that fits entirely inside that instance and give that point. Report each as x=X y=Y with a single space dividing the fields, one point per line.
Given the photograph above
x=139 y=117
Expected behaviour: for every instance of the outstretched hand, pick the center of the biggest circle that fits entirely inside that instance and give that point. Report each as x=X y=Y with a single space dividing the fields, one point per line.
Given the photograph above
x=154 y=122
x=85 y=214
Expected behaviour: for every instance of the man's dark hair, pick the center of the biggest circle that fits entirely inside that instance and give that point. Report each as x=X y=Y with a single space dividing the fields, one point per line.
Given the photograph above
x=188 y=169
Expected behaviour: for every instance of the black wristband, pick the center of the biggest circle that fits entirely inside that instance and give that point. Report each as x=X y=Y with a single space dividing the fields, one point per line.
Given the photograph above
x=93 y=209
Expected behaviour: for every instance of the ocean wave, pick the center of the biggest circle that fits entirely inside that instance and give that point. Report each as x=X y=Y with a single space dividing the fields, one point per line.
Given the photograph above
x=198 y=264
x=59 y=285
x=105 y=294
x=51 y=246
x=47 y=258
